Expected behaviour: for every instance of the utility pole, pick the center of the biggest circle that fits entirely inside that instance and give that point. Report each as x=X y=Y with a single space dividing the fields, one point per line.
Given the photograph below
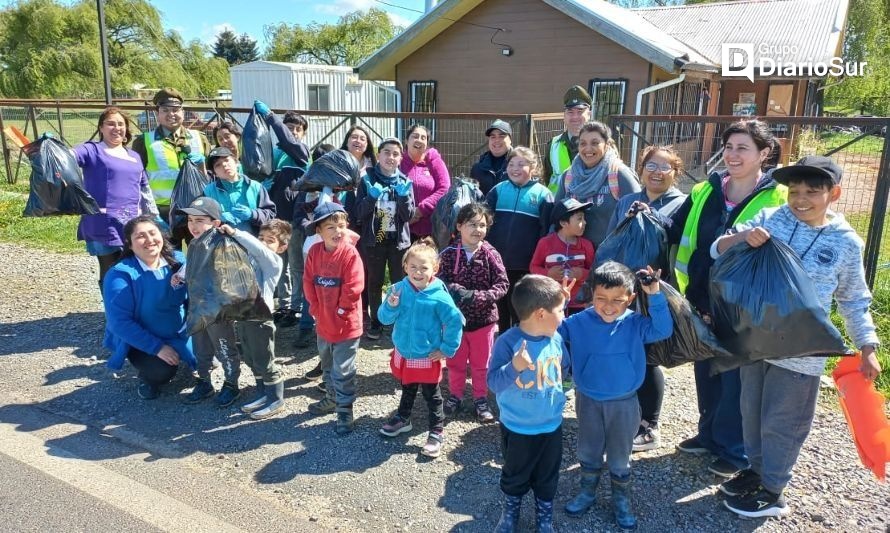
x=103 y=44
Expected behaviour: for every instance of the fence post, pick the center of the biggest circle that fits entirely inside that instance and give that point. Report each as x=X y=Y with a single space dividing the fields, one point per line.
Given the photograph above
x=878 y=214
x=353 y=120
x=59 y=117
x=9 y=178
x=33 y=116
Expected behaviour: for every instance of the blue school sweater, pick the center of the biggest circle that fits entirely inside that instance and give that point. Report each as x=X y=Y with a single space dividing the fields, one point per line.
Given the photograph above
x=530 y=401
x=609 y=359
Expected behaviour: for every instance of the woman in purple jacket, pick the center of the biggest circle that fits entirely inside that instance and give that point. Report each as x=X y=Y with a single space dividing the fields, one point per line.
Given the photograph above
x=113 y=174
x=426 y=170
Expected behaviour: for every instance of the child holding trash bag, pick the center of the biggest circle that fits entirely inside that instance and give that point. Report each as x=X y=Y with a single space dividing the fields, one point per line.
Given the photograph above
x=218 y=340
x=778 y=397
x=384 y=207
x=606 y=343
x=333 y=280
x=245 y=203
x=474 y=274
x=713 y=206
x=426 y=329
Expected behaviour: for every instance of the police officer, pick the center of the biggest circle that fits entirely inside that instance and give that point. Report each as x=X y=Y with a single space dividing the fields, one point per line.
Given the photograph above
x=564 y=147
x=163 y=149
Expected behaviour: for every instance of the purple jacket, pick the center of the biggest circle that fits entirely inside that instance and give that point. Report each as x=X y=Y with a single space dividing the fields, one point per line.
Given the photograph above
x=119 y=186
x=431 y=182
x=484 y=274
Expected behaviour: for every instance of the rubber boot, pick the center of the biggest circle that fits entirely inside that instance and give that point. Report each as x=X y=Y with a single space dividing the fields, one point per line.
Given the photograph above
x=275 y=395
x=510 y=515
x=544 y=515
x=585 y=499
x=258 y=401
x=621 y=487
x=345 y=421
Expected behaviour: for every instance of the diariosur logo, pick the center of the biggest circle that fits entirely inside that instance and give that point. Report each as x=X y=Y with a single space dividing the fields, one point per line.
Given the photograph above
x=737 y=60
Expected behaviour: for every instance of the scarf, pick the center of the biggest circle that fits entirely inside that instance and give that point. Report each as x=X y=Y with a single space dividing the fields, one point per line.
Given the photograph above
x=377 y=176
x=586 y=182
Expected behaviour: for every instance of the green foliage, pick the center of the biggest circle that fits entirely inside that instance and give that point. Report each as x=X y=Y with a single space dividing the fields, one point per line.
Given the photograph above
x=49 y=48
x=56 y=234
x=235 y=50
x=351 y=40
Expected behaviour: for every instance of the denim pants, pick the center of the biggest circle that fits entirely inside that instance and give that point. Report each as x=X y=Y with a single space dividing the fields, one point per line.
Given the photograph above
x=218 y=340
x=719 y=414
x=258 y=344
x=290 y=284
x=338 y=369
x=778 y=406
x=606 y=427
x=306 y=320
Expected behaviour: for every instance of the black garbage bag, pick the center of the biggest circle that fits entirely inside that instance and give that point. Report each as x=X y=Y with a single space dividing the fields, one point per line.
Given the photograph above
x=765 y=306
x=444 y=217
x=221 y=282
x=637 y=242
x=692 y=339
x=189 y=186
x=337 y=170
x=56 y=182
x=256 y=144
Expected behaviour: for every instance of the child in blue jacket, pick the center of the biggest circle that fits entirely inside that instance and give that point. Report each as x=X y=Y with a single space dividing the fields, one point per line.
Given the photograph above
x=427 y=328
x=606 y=342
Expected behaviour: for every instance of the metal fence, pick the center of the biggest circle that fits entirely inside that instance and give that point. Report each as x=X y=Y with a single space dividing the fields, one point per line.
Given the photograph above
x=860 y=145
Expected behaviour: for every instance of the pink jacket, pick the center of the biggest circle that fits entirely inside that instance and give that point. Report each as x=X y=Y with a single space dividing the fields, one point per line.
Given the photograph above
x=431 y=182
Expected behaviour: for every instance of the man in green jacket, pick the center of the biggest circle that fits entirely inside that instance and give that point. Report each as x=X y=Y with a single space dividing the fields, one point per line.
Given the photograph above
x=563 y=148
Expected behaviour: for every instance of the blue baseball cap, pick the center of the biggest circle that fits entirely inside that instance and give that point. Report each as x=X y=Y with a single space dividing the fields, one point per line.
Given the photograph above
x=321 y=212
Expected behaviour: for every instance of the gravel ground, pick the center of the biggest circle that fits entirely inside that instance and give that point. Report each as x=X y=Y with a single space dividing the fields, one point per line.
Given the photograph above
x=51 y=356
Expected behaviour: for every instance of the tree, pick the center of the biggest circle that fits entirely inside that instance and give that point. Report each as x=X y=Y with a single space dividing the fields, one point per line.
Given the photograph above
x=352 y=39
x=247 y=50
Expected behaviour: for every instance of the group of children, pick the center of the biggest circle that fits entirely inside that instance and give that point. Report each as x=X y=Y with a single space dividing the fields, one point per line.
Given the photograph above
x=526 y=288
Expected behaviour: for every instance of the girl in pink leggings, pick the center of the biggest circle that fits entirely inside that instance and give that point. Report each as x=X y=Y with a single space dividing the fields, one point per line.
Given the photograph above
x=475 y=276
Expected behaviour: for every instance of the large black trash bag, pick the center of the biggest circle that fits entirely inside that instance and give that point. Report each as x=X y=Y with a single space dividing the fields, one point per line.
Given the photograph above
x=765 y=306
x=221 y=282
x=189 y=186
x=444 y=217
x=56 y=183
x=637 y=242
x=337 y=170
x=256 y=143
x=692 y=339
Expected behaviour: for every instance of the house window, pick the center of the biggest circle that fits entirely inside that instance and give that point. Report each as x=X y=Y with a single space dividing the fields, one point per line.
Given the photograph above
x=319 y=98
x=422 y=96
x=608 y=97
x=386 y=101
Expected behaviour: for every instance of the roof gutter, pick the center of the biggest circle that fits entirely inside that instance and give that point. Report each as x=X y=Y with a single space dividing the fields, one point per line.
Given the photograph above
x=639 y=107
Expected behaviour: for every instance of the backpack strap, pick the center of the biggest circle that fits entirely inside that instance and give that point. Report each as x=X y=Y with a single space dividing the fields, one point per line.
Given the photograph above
x=614 y=187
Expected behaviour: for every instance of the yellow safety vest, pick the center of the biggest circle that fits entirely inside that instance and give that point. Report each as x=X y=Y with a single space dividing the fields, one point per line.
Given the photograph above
x=162 y=163
x=771 y=197
x=559 y=161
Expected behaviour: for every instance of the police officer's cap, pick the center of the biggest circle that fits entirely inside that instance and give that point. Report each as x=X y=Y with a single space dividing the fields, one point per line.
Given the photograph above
x=576 y=96
x=168 y=96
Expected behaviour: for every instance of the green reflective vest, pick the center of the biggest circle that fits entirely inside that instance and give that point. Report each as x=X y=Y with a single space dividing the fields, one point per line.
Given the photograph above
x=772 y=197
x=559 y=161
x=162 y=163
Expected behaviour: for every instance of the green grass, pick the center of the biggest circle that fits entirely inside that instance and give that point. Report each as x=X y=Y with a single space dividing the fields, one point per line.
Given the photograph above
x=880 y=311
x=870 y=144
x=55 y=234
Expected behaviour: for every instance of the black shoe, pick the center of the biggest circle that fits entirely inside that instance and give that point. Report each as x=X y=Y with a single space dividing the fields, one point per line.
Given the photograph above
x=304 y=338
x=744 y=482
x=147 y=391
x=758 y=504
x=227 y=395
x=451 y=405
x=322 y=387
x=277 y=316
x=374 y=332
x=315 y=373
x=202 y=390
x=288 y=319
x=723 y=468
x=693 y=446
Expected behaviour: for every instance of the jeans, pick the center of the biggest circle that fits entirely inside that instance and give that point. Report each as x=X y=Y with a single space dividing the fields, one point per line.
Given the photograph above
x=778 y=406
x=218 y=340
x=433 y=396
x=152 y=369
x=338 y=369
x=606 y=427
x=475 y=351
x=719 y=414
x=290 y=284
x=258 y=344
x=307 y=321
x=376 y=259
x=531 y=462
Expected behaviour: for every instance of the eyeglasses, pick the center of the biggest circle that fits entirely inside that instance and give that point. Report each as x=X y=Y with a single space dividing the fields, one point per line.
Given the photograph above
x=652 y=166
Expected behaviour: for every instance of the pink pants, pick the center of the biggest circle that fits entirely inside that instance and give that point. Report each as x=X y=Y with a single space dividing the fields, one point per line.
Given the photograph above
x=475 y=349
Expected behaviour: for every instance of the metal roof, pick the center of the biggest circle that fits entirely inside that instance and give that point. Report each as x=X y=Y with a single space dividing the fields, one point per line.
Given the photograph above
x=793 y=31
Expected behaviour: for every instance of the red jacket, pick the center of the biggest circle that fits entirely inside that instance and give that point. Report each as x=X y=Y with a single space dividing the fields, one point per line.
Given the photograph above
x=552 y=251
x=332 y=281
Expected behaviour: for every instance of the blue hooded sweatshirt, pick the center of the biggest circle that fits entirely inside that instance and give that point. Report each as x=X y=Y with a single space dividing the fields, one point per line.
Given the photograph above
x=425 y=320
